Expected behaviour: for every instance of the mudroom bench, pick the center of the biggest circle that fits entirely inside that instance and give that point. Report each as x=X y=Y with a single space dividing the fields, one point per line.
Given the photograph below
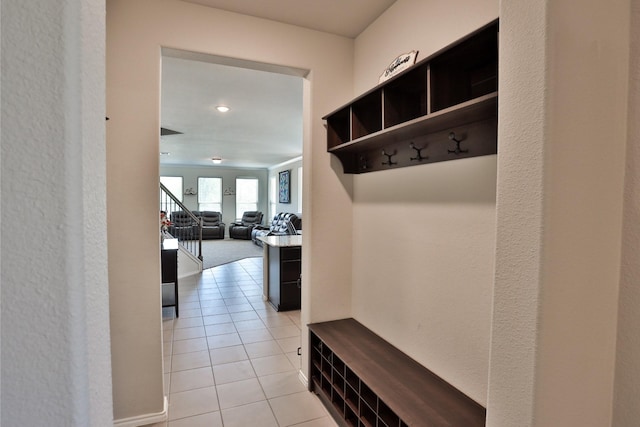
x=365 y=381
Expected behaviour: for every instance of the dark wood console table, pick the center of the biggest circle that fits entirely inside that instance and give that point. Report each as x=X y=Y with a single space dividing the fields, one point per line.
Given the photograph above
x=365 y=381
x=282 y=265
x=169 y=258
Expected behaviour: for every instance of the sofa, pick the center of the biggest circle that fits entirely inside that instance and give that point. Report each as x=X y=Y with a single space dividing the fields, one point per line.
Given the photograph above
x=185 y=227
x=284 y=223
x=242 y=229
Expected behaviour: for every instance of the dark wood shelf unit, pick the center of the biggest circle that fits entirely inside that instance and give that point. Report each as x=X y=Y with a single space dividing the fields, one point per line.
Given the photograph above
x=411 y=115
x=365 y=381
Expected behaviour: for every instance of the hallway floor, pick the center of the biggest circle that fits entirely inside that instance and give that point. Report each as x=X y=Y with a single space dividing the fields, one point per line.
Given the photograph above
x=231 y=359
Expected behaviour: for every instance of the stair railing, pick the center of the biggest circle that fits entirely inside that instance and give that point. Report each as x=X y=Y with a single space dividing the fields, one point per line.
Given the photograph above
x=185 y=225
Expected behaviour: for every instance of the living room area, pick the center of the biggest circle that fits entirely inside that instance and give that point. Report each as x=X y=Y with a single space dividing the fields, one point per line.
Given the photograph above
x=221 y=154
x=231 y=354
x=236 y=192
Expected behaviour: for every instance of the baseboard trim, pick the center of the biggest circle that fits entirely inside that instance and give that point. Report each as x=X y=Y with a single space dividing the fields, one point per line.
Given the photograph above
x=143 y=420
x=303 y=379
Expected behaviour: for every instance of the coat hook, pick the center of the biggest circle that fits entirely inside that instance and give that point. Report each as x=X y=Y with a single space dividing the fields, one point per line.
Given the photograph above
x=389 y=161
x=418 y=156
x=452 y=137
x=363 y=163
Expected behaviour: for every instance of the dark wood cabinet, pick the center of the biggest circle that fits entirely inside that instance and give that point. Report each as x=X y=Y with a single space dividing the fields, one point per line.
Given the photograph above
x=445 y=107
x=365 y=381
x=284 y=277
x=169 y=262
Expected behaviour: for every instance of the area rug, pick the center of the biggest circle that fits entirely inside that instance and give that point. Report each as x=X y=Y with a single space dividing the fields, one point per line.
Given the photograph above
x=218 y=252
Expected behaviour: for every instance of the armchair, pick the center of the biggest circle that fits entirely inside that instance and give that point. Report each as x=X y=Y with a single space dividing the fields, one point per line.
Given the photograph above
x=212 y=225
x=243 y=228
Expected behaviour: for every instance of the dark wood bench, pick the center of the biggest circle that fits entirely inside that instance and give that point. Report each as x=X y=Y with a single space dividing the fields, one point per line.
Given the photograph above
x=365 y=381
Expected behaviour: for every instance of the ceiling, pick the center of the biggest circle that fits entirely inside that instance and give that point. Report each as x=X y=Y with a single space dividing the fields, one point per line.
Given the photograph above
x=264 y=125
x=342 y=17
x=262 y=128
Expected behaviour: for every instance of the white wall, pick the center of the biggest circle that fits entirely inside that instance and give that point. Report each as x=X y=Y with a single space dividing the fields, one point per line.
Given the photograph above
x=55 y=313
x=136 y=31
x=190 y=177
x=562 y=138
x=424 y=236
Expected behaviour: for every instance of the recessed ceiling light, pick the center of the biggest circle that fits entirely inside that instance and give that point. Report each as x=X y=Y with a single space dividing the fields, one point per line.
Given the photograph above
x=222 y=108
x=216 y=160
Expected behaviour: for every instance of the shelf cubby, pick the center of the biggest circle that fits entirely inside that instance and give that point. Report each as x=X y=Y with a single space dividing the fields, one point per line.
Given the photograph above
x=466 y=71
x=339 y=127
x=375 y=384
x=449 y=91
x=405 y=98
x=366 y=115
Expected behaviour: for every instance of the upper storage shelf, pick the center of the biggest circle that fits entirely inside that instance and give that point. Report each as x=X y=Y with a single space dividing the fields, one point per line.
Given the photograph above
x=443 y=108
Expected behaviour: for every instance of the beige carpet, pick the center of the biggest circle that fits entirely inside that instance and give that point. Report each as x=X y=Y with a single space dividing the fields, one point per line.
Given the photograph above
x=218 y=252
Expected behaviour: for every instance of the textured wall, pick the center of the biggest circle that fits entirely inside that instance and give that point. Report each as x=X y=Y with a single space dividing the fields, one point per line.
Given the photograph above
x=519 y=228
x=136 y=33
x=55 y=325
x=563 y=93
x=424 y=236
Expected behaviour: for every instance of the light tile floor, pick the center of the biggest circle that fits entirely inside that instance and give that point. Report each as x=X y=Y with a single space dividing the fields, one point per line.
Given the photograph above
x=230 y=359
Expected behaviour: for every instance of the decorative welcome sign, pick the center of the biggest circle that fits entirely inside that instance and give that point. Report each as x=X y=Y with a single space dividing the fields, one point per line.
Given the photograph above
x=399 y=64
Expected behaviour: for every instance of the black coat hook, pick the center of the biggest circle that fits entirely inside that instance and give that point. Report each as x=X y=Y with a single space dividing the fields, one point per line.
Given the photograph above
x=452 y=137
x=389 y=161
x=363 y=163
x=418 y=156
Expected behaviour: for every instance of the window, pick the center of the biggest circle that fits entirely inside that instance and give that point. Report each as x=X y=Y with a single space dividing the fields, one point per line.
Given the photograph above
x=173 y=184
x=246 y=195
x=273 y=192
x=210 y=194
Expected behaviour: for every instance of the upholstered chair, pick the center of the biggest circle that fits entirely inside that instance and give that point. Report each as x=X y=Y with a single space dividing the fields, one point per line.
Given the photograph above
x=212 y=225
x=242 y=229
